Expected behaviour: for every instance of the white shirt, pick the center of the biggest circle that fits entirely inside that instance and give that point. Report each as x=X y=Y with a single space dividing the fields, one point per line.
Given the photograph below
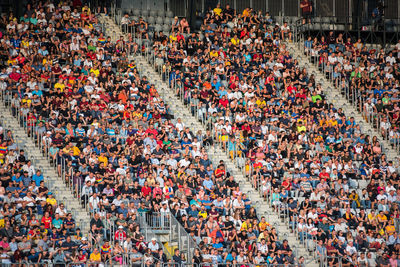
x=94 y=201
x=153 y=247
x=180 y=126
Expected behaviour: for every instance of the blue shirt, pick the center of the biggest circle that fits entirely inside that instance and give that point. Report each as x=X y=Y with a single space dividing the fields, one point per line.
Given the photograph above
x=37 y=179
x=208 y=184
x=57 y=223
x=39 y=93
x=15 y=179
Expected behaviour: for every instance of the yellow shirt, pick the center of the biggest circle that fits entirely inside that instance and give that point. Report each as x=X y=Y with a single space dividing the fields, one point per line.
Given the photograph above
x=86 y=8
x=76 y=151
x=235 y=41
x=261 y=103
x=104 y=160
x=28 y=101
x=25 y=44
x=213 y=54
x=12 y=62
x=244 y=226
x=51 y=201
x=301 y=129
x=217 y=11
x=137 y=114
x=332 y=122
x=173 y=38
x=95 y=71
x=59 y=85
x=382 y=217
x=263 y=225
x=95 y=257
x=203 y=214
x=390 y=229
x=371 y=217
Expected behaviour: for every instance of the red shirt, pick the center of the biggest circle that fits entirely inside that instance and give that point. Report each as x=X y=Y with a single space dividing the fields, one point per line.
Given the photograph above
x=223 y=102
x=146 y=190
x=291 y=89
x=46 y=222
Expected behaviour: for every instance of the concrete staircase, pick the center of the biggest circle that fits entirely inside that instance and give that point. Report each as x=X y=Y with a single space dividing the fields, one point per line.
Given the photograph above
x=53 y=182
x=335 y=97
x=215 y=152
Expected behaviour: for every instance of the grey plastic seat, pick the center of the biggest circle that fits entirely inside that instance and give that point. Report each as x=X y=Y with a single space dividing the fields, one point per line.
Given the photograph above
x=136 y=12
x=340 y=27
x=145 y=13
x=161 y=13
x=170 y=14
x=316 y=27
x=289 y=20
x=151 y=20
x=316 y=20
x=135 y=18
x=168 y=21
x=326 y=20
x=160 y=20
x=166 y=28
x=158 y=28
x=153 y=13
x=296 y=20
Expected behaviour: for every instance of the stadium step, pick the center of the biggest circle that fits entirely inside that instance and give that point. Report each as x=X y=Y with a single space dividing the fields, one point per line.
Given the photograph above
x=335 y=97
x=53 y=182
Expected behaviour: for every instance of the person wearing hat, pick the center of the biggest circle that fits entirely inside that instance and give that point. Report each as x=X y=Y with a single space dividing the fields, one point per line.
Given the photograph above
x=153 y=245
x=120 y=234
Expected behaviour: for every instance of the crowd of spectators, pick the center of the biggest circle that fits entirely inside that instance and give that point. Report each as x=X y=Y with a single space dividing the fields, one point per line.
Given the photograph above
x=84 y=97
x=76 y=91
x=34 y=226
x=366 y=75
x=126 y=154
x=311 y=161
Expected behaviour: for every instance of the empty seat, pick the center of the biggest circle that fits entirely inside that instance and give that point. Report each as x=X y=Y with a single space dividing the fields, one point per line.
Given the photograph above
x=340 y=27
x=135 y=18
x=316 y=27
x=326 y=20
x=170 y=14
x=161 y=13
x=166 y=28
x=158 y=28
x=136 y=12
x=151 y=20
x=168 y=21
x=153 y=13
x=316 y=20
x=145 y=13
x=160 y=20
